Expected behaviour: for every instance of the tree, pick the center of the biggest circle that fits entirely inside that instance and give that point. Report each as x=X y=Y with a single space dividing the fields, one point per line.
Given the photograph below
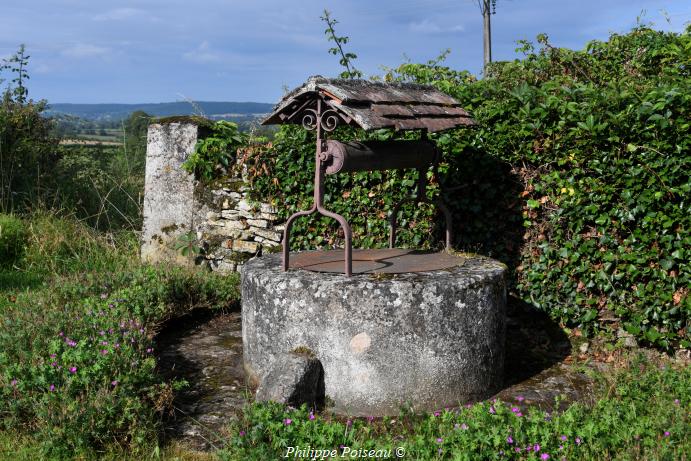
x=346 y=58
x=17 y=65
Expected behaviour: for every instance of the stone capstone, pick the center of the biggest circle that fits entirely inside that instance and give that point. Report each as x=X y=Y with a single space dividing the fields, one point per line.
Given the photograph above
x=293 y=379
x=426 y=340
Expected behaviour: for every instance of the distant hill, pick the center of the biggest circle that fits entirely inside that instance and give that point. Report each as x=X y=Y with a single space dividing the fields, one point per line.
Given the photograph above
x=213 y=110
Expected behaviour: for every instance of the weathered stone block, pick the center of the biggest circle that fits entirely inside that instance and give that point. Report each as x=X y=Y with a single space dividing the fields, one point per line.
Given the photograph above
x=230 y=214
x=261 y=223
x=244 y=246
x=267 y=234
x=293 y=379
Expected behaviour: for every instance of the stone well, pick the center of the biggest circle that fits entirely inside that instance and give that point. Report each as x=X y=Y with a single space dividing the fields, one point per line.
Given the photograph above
x=426 y=339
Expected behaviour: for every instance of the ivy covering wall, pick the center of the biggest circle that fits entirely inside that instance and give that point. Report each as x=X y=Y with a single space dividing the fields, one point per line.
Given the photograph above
x=577 y=177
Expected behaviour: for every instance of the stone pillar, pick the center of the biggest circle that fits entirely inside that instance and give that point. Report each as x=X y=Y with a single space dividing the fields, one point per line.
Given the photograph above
x=170 y=206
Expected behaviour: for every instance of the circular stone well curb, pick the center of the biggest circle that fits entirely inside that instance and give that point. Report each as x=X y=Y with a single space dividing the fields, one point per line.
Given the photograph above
x=426 y=340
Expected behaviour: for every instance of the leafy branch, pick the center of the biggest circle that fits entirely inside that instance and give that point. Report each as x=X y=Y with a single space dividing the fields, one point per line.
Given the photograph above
x=346 y=58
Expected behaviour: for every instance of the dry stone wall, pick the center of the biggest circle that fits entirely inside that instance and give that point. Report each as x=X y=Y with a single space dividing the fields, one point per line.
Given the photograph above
x=228 y=228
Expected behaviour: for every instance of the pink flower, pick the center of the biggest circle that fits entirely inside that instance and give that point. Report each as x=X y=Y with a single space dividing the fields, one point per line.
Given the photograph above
x=437 y=413
x=676 y=402
x=536 y=447
x=509 y=440
x=544 y=456
x=666 y=433
x=52 y=356
x=520 y=398
x=242 y=433
x=440 y=440
x=73 y=370
x=287 y=421
x=114 y=383
x=312 y=416
x=563 y=438
x=149 y=350
x=464 y=426
x=54 y=364
x=515 y=409
x=52 y=387
x=492 y=410
x=13 y=382
x=104 y=352
x=578 y=440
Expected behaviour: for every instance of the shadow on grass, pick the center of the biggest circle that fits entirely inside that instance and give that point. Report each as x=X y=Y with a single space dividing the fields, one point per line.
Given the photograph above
x=17 y=280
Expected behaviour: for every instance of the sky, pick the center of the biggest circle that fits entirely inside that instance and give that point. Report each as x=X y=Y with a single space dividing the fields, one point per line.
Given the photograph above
x=137 y=51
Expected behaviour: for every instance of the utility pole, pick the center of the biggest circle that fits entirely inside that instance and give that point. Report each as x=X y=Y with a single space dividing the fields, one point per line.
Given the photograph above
x=487 y=32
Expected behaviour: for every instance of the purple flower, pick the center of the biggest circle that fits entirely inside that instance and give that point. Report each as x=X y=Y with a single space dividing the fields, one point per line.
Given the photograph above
x=114 y=383
x=437 y=413
x=242 y=433
x=287 y=421
x=440 y=440
x=149 y=350
x=349 y=423
x=52 y=387
x=544 y=456
x=13 y=382
x=519 y=414
x=370 y=418
x=666 y=433
x=561 y=447
x=563 y=438
x=102 y=333
x=104 y=352
x=104 y=343
x=117 y=346
x=515 y=409
x=492 y=410
x=578 y=440
x=54 y=364
x=520 y=398
x=61 y=334
x=73 y=370
x=464 y=426
x=676 y=402
x=509 y=440
x=536 y=447
x=52 y=356
x=312 y=416
x=517 y=449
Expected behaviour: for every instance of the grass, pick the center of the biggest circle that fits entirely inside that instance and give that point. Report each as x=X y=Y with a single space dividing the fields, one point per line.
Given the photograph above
x=78 y=321
x=642 y=413
x=76 y=289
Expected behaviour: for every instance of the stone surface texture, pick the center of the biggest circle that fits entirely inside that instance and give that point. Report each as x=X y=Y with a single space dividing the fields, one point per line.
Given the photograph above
x=293 y=379
x=428 y=340
x=229 y=227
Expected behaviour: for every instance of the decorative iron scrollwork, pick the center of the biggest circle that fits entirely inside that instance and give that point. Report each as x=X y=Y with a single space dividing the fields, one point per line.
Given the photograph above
x=328 y=120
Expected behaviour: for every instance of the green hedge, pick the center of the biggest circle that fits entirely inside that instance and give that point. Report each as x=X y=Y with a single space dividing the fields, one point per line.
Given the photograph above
x=577 y=177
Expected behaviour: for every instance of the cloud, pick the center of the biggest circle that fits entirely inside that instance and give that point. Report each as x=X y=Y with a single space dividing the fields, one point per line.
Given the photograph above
x=117 y=14
x=427 y=26
x=85 y=50
x=202 y=54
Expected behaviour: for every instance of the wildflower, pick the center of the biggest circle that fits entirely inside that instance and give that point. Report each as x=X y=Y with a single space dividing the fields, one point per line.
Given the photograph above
x=464 y=426
x=515 y=409
x=117 y=346
x=104 y=295
x=676 y=402
x=563 y=438
x=456 y=426
x=437 y=413
x=104 y=352
x=517 y=449
x=544 y=456
x=537 y=447
x=519 y=414
x=52 y=387
x=54 y=364
x=578 y=440
x=242 y=433
x=370 y=418
x=13 y=383
x=440 y=440
x=492 y=410
x=149 y=350
x=561 y=447
x=439 y=451
x=73 y=370
x=312 y=416
x=61 y=334
x=102 y=333
x=104 y=343
x=520 y=398
x=349 y=423
x=287 y=421
x=52 y=356
x=114 y=383
x=666 y=433
x=509 y=440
